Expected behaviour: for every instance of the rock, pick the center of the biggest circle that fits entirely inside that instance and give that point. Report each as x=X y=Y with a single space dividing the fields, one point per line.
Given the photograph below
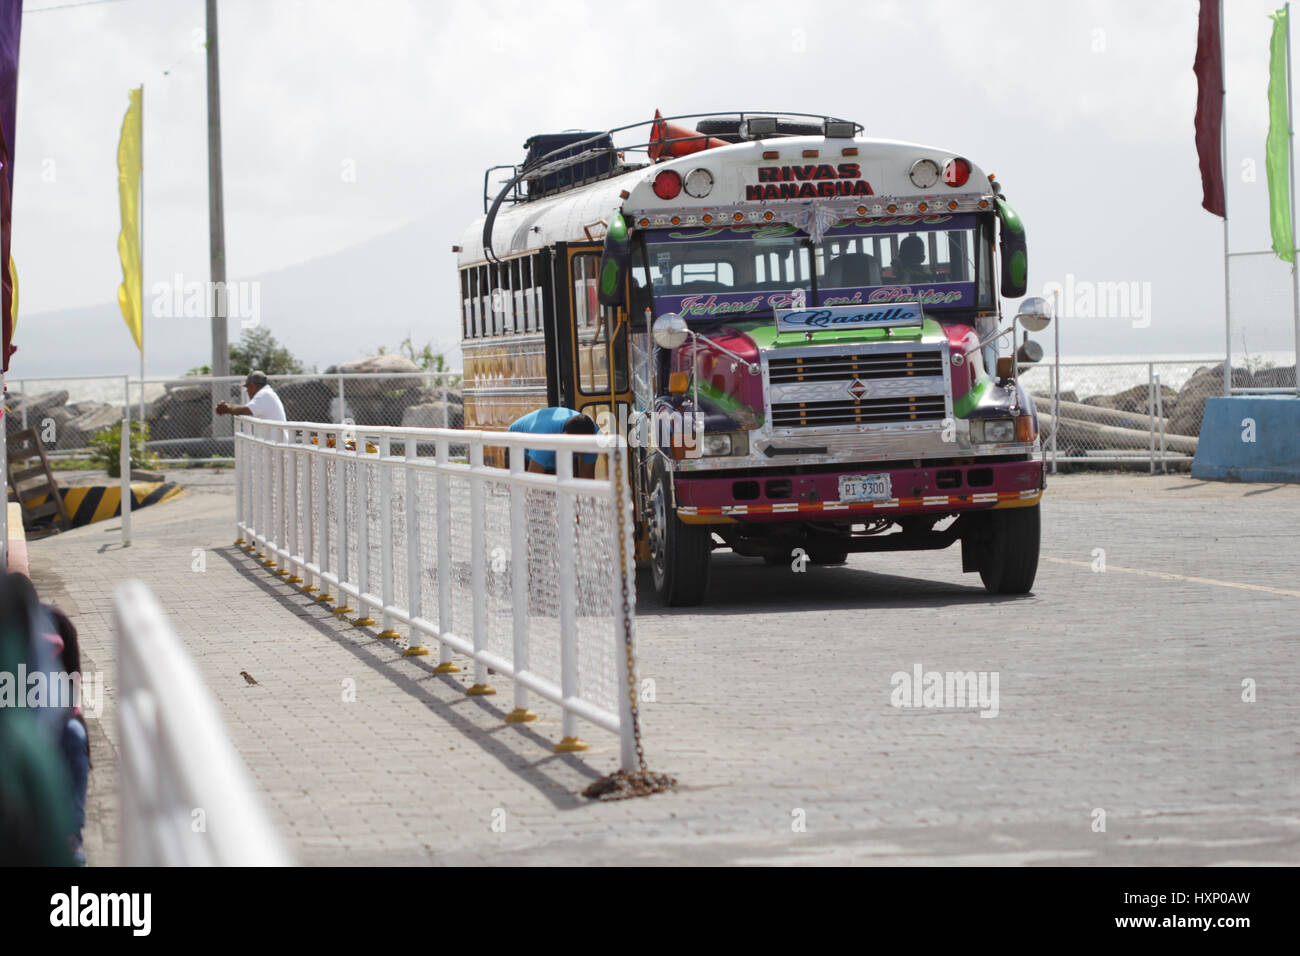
x=307 y=399
x=379 y=367
x=190 y=393
x=1189 y=407
x=430 y=415
x=78 y=432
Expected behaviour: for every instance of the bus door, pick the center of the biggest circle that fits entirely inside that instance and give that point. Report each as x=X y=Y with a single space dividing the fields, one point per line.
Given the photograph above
x=598 y=340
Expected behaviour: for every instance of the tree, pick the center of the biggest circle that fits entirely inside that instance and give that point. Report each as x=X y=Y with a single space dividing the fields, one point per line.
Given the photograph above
x=258 y=349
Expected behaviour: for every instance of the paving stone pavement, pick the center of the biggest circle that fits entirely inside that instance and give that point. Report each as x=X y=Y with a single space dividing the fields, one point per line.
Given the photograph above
x=1119 y=691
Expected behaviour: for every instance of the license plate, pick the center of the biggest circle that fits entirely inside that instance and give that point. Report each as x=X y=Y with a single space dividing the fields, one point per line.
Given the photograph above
x=865 y=488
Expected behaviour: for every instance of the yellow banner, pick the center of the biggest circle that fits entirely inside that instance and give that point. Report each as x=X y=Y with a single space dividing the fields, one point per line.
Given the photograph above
x=128 y=240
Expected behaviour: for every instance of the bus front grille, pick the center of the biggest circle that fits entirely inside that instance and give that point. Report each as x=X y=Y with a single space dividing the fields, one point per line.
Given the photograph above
x=869 y=411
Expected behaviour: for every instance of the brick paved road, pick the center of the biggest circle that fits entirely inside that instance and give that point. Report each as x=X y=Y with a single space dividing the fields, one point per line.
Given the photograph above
x=1119 y=691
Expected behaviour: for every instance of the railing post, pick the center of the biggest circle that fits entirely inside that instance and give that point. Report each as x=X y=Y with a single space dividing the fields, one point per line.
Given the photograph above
x=343 y=407
x=1160 y=418
x=477 y=518
x=363 y=530
x=519 y=583
x=622 y=600
x=386 y=534
x=308 y=514
x=341 y=516
x=268 y=514
x=564 y=512
x=239 y=484
x=445 y=665
x=323 y=515
x=293 y=488
x=414 y=600
x=1151 y=412
x=124 y=464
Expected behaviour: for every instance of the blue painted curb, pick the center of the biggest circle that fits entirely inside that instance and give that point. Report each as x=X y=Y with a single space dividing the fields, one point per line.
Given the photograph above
x=1249 y=438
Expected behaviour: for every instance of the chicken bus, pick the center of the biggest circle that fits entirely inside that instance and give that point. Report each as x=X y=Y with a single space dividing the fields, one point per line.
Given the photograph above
x=798 y=329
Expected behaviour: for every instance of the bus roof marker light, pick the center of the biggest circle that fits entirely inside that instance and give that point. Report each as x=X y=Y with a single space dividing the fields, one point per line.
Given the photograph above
x=698 y=183
x=771 y=154
x=668 y=184
x=956 y=171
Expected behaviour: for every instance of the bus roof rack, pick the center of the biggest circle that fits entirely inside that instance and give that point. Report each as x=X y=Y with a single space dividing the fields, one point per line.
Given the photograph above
x=559 y=162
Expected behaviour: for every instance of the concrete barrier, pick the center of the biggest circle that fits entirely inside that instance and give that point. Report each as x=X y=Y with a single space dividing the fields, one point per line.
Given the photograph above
x=1249 y=438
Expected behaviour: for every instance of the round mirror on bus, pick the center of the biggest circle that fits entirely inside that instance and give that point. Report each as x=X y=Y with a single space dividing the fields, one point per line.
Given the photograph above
x=1035 y=314
x=669 y=331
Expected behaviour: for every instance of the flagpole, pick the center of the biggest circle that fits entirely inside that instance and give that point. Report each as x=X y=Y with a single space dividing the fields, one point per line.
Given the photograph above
x=141 y=276
x=1290 y=167
x=1223 y=165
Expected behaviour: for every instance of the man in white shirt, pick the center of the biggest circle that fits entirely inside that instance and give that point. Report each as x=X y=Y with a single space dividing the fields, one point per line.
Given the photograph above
x=262 y=401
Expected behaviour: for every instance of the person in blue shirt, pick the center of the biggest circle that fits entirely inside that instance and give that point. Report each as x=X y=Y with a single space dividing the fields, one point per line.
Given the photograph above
x=555 y=421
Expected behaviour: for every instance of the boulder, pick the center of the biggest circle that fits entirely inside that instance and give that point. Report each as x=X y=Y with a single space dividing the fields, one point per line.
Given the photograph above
x=1205 y=382
x=431 y=415
x=379 y=367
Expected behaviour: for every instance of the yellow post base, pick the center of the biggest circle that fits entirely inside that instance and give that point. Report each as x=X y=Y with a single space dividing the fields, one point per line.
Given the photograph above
x=324 y=599
x=343 y=609
x=364 y=622
x=447 y=668
x=293 y=579
x=259 y=554
x=249 y=548
x=282 y=573
x=268 y=563
x=520 y=715
x=417 y=650
x=238 y=542
x=309 y=589
x=388 y=635
x=481 y=690
x=570 y=745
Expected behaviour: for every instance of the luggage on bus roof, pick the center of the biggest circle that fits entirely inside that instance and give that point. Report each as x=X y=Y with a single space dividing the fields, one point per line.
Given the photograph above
x=593 y=168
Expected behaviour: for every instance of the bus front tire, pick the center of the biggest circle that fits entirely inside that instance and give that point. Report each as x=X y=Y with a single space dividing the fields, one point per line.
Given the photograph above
x=679 y=553
x=1009 y=559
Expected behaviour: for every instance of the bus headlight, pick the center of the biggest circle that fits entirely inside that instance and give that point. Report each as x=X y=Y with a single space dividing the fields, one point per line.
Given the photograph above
x=993 y=430
x=720 y=444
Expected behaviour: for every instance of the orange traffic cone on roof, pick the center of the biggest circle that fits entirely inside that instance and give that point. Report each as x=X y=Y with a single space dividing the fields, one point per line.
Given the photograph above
x=669 y=139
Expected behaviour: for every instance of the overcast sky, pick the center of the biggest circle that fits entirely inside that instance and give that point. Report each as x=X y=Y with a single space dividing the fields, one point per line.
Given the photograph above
x=345 y=120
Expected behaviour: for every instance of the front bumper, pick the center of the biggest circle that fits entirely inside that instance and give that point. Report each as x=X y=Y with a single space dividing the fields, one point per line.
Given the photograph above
x=941 y=488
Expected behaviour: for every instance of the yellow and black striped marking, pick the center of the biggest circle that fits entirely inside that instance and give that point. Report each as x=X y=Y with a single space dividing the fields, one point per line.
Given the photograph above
x=90 y=503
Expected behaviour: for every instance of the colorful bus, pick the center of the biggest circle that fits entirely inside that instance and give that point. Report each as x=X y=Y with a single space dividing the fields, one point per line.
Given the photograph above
x=798 y=328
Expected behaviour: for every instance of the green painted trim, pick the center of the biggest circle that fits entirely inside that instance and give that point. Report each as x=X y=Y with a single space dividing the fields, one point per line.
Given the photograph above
x=1010 y=219
x=765 y=335
x=730 y=404
x=966 y=404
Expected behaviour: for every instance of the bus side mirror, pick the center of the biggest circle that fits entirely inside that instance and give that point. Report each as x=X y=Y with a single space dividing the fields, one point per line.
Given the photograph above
x=614 y=259
x=1015 y=254
x=1035 y=314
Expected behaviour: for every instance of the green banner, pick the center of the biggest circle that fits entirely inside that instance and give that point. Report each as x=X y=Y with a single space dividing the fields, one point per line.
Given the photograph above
x=1277 y=148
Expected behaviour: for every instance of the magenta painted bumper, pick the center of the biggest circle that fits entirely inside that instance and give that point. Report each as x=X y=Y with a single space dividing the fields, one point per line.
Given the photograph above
x=787 y=497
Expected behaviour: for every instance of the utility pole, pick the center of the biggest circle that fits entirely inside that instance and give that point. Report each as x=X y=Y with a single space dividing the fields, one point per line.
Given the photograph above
x=216 y=216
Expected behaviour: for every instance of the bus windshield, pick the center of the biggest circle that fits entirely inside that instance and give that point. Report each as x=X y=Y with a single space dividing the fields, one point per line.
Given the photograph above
x=742 y=270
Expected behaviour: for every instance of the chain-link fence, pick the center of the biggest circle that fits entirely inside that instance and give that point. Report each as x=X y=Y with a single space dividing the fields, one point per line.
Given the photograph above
x=1133 y=413
x=180 y=412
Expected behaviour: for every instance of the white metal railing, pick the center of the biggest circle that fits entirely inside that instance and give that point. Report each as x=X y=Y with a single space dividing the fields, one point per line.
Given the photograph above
x=186 y=799
x=526 y=573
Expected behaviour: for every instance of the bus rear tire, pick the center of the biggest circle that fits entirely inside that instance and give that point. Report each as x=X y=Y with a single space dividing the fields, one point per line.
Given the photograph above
x=1009 y=561
x=679 y=553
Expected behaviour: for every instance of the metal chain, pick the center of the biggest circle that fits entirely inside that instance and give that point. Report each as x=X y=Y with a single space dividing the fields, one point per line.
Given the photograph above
x=620 y=513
